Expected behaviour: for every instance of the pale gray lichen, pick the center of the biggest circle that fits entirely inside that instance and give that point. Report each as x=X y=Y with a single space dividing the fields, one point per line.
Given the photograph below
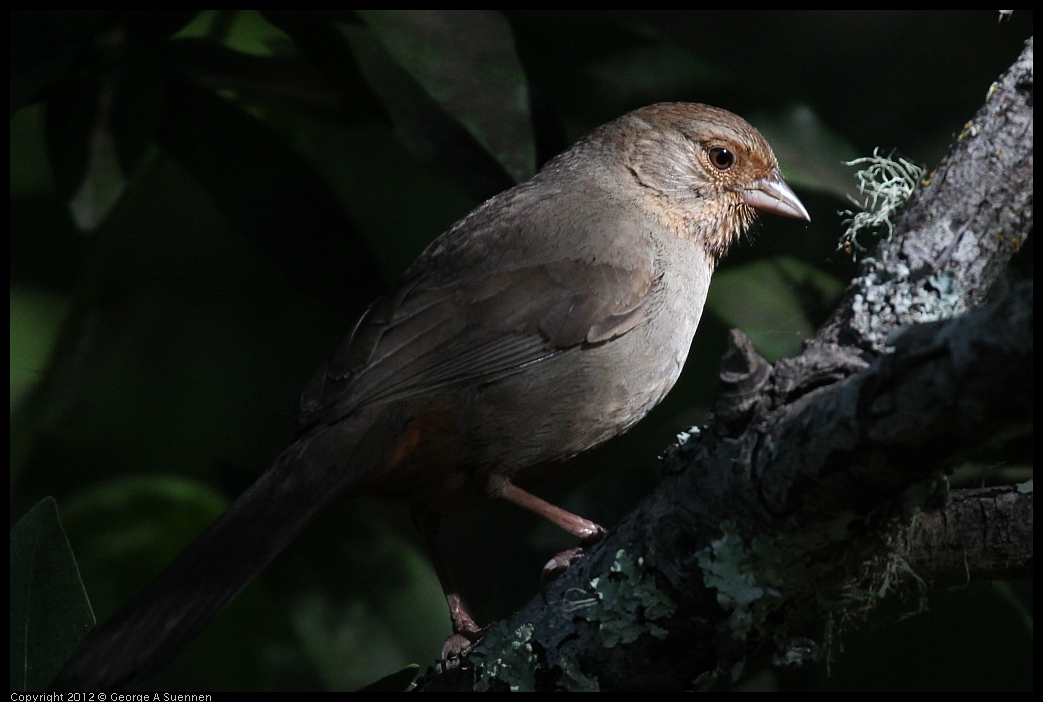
x=886 y=184
x=506 y=656
x=890 y=299
x=677 y=456
x=624 y=603
x=684 y=436
x=750 y=578
x=739 y=576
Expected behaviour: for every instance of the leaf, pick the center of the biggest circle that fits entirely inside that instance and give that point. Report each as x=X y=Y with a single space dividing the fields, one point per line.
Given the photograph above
x=810 y=153
x=268 y=193
x=83 y=152
x=101 y=121
x=30 y=169
x=770 y=300
x=328 y=50
x=466 y=61
x=290 y=79
x=420 y=123
x=50 y=613
x=126 y=530
x=98 y=133
x=392 y=612
x=36 y=321
x=250 y=33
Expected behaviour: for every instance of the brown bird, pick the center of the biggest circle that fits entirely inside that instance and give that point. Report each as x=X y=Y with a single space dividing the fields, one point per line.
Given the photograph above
x=548 y=320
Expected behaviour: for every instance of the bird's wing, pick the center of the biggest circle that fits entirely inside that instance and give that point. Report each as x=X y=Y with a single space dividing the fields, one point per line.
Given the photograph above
x=425 y=335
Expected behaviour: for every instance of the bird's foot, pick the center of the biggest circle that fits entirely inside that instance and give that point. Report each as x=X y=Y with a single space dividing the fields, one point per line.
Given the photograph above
x=561 y=562
x=556 y=566
x=454 y=649
x=465 y=635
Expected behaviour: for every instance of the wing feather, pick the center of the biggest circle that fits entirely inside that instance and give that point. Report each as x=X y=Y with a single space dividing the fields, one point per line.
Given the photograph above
x=428 y=335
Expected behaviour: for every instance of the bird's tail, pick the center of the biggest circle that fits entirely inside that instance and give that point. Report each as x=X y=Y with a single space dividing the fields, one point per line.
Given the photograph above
x=175 y=607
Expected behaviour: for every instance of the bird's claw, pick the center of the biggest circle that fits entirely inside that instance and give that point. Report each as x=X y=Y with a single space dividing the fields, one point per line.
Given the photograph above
x=454 y=649
x=556 y=566
x=459 y=643
x=561 y=562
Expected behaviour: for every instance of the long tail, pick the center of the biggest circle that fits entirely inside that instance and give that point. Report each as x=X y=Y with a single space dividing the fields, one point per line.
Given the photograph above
x=175 y=607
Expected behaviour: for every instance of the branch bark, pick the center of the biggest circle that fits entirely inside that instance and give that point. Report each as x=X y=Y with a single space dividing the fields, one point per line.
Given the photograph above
x=979 y=535
x=819 y=486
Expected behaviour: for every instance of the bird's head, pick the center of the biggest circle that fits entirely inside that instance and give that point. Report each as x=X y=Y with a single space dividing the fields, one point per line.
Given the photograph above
x=704 y=171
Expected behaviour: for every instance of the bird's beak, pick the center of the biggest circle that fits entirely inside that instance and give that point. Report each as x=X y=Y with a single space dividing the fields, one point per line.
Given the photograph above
x=772 y=194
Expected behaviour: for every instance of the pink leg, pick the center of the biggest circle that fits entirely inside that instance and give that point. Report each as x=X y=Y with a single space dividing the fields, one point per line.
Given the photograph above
x=465 y=630
x=585 y=530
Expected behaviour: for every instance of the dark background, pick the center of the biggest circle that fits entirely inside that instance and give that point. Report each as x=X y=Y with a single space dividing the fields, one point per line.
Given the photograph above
x=201 y=203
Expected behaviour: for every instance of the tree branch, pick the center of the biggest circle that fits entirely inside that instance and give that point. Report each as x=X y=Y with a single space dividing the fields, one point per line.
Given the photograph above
x=819 y=486
x=979 y=535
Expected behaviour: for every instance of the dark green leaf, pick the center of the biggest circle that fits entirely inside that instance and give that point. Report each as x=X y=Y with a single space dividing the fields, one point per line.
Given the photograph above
x=467 y=62
x=82 y=150
x=771 y=300
x=439 y=139
x=137 y=107
x=285 y=78
x=50 y=614
x=138 y=523
x=36 y=320
x=269 y=194
x=326 y=48
x=810 y=153
x=102 y=115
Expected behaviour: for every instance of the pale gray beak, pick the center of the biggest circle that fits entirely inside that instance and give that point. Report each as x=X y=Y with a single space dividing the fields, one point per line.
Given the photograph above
x=772 y=194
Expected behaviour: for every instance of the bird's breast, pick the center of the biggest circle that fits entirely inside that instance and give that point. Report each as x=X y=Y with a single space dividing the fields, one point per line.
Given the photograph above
x=575 y=401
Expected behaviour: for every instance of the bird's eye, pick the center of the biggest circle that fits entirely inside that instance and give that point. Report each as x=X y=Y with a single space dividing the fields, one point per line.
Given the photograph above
x=721 y=158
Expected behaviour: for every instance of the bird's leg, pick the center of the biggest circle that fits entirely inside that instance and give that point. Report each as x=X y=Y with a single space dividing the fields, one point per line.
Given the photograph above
x=465 y=631
x=585 y=530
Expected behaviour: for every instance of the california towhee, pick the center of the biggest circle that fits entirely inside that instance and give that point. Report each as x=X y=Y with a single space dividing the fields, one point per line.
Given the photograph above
x=547 y=321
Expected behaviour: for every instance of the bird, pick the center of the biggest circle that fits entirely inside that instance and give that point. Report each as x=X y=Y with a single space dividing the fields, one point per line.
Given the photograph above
x=548 y=320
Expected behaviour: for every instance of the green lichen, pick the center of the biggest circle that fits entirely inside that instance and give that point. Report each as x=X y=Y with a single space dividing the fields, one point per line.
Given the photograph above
x=886 y=184
x=625 y=603
x=508 y=657
x=889 y=297
x=745 y=584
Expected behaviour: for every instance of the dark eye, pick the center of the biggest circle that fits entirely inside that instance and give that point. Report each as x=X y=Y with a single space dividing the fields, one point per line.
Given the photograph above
x=721 y=158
